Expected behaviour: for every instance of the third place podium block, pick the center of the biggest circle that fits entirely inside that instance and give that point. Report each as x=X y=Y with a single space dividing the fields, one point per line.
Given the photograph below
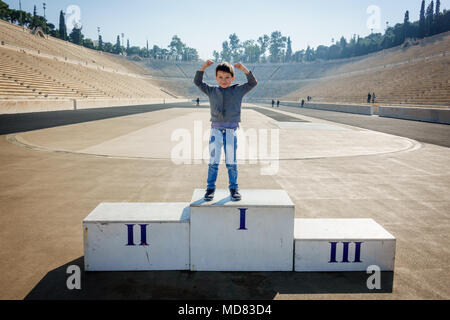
x=342 y=245
x=254 y=234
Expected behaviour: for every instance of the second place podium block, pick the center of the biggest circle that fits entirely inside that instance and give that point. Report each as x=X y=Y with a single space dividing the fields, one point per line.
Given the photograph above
x=137 y=236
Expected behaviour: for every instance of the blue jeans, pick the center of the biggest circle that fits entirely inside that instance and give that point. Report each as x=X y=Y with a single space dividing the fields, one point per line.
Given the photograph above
x=228 y=139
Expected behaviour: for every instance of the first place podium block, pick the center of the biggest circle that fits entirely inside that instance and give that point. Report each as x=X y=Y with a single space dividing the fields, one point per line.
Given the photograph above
x=254 y=234
x=137 y=236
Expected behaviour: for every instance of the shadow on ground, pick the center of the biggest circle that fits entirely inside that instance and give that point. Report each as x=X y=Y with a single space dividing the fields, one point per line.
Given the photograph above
x=22 y=122
x=188 y=285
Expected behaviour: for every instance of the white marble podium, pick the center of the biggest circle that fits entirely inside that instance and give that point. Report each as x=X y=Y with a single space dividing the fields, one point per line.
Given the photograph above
x=137 y=236
x=254 y=234
x=258 y=233
x=342 y=245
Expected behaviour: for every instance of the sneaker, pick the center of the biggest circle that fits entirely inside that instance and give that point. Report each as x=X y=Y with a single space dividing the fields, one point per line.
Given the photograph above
x=209 y=195
x=235 y=195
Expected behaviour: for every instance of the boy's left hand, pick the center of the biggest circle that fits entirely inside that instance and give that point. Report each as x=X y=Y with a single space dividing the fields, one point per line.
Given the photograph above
x=241 y=67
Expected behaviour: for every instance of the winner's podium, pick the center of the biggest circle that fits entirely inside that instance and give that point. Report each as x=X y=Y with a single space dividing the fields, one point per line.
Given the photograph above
x=258 y=233
x=254 y=234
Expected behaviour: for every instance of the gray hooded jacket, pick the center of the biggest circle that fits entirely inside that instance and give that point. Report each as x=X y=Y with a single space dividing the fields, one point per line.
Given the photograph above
x=225 y=103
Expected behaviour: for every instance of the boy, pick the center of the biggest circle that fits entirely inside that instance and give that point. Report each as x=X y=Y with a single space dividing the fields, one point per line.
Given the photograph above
x=225 y=106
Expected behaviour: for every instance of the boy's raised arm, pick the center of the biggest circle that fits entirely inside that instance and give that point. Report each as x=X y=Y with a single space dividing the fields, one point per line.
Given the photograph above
x=198 y=80
x=207 y=64
x=251 y=80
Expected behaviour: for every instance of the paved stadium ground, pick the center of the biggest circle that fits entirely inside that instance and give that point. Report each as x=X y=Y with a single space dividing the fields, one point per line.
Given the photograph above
x=433 y=133
x=56 y=167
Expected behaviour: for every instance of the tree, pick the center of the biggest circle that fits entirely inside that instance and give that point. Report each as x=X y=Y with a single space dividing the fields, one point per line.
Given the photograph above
x=216 y=56
x=309 y=54
x=414 y=29
x=226 y=51
x=252 y=51
x=388 y=39
x=235 y=47
x=34 y=21
x=14 y=15
x=345 y=51
x=429 y=19
x=108 y=47
x=422 y=27
x=165 y=54
x=289 y=50
x=322 y=52
x=154 y=52
x=159 y=53
x=24 y=18
x=143 y=53
x=176 y=47
x=277 y=43
x=299 y=55
x=76 y=36
x=398 y=35
x=134 y=51
x=118 y=47
x=334 y=52
x=88 y=43
x=437 y=17
x=4 y=10
x=42 y=22
x=100 y=43
x=406 y=26
x=190 y=54
x=264 y=42
x=445 y=21
x=62 y=26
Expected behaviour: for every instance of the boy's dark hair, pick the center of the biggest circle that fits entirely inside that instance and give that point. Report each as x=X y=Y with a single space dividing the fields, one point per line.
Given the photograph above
x=225 y=67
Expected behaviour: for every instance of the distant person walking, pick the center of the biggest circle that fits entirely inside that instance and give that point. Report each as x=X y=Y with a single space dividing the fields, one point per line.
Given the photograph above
x=273 y=103
x=369 y=96
x=303 y=103
x=278 y=103
x=198 y=101
x=373 y=97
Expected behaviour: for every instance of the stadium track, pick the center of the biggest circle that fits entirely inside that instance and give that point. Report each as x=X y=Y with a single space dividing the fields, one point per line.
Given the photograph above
x=433 y=133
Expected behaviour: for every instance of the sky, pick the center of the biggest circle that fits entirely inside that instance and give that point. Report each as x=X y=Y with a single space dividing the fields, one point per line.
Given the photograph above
x=205 y=24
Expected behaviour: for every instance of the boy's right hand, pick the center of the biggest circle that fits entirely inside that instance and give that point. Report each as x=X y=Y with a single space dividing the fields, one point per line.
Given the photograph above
x=207 y=64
